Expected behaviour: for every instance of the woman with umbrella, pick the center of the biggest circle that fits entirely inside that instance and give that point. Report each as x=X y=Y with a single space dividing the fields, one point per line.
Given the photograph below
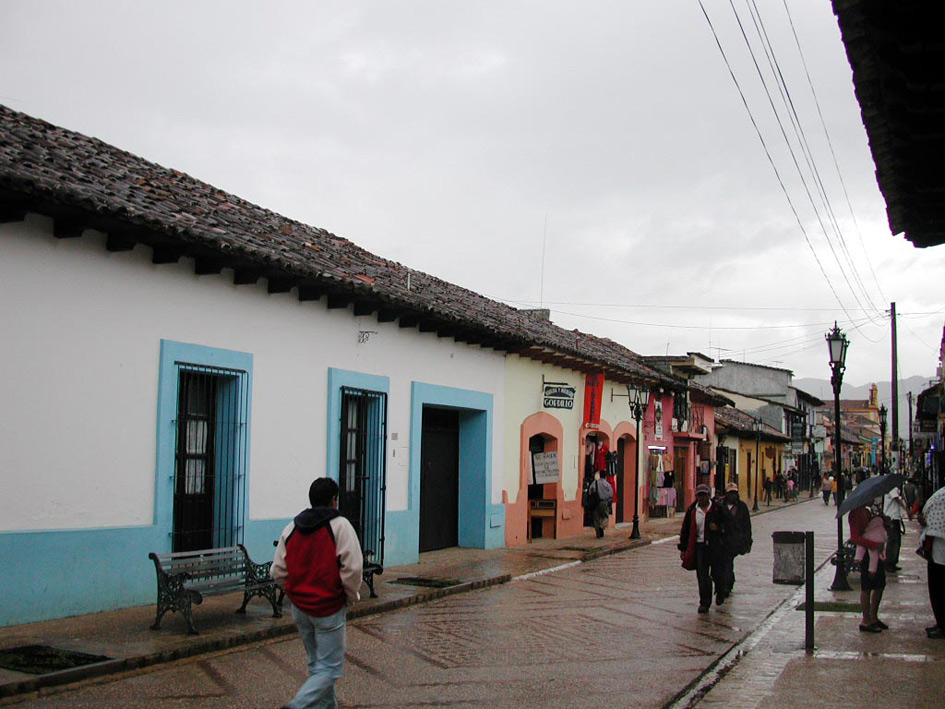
x=932 y=536
x=858 y=504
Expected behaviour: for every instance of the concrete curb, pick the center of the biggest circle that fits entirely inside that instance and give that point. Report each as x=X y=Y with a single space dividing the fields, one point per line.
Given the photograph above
x=203 y=647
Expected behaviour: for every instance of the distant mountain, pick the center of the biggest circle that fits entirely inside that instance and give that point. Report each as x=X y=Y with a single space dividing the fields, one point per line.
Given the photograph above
x=821 y=389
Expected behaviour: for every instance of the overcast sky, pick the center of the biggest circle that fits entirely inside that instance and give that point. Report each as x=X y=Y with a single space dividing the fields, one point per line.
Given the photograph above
x=594 y=158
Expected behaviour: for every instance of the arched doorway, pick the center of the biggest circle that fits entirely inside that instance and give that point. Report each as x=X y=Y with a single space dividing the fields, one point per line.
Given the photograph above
x=544 y=431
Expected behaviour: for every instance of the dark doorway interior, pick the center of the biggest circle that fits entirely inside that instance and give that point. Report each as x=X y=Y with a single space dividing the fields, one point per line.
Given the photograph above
x=439 y=479
x=194 y=479
x=621 y=482
x=681 y=464
x=536 y=444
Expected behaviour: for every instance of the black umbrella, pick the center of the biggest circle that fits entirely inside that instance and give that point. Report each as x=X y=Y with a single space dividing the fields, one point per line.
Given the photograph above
x=868 y=490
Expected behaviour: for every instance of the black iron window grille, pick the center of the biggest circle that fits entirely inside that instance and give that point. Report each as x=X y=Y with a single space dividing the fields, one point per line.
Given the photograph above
x=362 y=477
x=211 y=457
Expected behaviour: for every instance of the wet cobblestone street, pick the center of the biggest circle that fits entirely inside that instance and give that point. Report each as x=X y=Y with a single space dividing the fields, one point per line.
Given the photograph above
x=618 y=631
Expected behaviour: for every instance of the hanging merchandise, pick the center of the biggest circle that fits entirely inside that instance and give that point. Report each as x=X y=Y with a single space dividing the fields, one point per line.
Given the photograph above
x=612 y=464
x=600 y=458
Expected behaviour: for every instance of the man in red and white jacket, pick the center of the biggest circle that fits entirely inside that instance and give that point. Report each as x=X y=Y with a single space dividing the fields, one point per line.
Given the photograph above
x=319 y=563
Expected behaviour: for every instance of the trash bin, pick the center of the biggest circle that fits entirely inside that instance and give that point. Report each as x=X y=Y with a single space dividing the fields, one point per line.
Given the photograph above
x=789 y=557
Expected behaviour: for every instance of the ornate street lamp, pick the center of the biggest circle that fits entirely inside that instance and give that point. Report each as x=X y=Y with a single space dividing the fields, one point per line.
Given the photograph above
x=638 y=396
x=757 y=426
x=838 y=344
x=882 y=439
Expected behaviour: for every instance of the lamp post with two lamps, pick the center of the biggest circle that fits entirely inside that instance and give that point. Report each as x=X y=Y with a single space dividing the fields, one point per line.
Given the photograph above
x=883 y=411
x=638 y=396
x=838 y=344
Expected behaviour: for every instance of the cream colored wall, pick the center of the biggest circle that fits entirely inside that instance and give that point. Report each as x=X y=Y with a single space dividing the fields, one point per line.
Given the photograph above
x=615 y=406
x=523 y=398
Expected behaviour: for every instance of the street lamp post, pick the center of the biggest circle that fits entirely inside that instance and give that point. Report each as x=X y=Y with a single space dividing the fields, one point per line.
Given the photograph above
x=882 y=439
x=638 y=397
x=838 y=344
x=757 y=425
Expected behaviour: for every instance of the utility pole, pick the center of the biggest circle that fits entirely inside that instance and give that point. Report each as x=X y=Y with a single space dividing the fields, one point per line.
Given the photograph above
x=911 y=451
x=894 y=404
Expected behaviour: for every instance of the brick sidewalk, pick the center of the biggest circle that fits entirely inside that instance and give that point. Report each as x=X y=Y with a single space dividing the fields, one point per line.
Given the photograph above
x=896 y=668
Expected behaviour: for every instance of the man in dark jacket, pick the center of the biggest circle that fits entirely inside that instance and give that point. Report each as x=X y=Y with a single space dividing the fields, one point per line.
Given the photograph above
x=703 y=536
x=738 y=539
x=319 y=563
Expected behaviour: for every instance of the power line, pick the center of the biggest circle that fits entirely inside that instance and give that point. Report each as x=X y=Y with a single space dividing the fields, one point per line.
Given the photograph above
x=793 y=155
x=774 y=167
x=801 y=137
x=852 y=322
x=836 y=163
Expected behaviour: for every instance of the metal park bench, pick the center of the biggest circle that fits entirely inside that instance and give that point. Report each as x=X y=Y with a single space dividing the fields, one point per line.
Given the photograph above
x=370 y=569
x=184 y=578
x=850 y=563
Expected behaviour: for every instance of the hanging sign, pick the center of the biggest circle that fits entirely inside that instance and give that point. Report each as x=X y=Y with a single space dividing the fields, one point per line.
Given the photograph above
x=557 y=396
x=593 y=393
x=545 y=468
x=658 y=417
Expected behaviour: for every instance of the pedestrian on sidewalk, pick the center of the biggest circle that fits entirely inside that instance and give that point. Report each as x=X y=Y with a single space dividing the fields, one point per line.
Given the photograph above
x=893 y=507
x=825 y=484
x=909 y=494
x=600 y=496
x=738 y=539
x=318 y=562
x=702 y=544
x=872 y=584
x=932 y=540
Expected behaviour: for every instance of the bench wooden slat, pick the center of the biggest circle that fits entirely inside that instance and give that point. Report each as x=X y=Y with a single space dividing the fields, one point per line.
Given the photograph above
x=230 y=567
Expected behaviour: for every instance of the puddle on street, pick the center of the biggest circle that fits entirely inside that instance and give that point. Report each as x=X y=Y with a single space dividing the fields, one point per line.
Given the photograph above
x=900 y=657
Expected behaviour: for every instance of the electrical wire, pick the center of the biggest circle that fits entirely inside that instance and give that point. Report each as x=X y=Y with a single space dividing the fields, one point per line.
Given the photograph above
x=793 y=155
x=801 y=136
x=833 y=153
x=774 y=167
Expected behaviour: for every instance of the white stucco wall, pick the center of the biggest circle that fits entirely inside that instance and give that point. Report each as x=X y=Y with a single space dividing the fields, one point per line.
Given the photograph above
x=79 y=360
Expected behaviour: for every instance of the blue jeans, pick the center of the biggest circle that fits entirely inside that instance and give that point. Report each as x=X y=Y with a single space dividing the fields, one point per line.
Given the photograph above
x=324 y=640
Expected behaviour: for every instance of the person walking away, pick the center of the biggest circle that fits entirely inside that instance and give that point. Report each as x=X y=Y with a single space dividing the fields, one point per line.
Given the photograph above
x=701 y=544
x=825 y=489
x=932 y=538
x=834 y=486
x=318 y=562
x=738 y=539
x=909 y=494
x=893 y=507
x=600 y=512
x=871 y=584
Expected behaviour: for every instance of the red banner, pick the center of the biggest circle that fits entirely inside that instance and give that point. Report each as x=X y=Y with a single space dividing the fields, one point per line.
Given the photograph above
x=593 y=393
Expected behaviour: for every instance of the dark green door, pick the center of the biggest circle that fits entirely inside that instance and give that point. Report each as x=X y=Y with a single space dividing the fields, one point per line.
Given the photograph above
x=439 y=479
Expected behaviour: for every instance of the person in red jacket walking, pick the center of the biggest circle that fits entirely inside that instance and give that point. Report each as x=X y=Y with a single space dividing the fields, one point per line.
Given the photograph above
x=318 y=562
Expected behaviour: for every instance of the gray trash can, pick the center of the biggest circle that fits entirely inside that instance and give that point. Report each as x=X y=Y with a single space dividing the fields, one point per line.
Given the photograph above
x=789 y=557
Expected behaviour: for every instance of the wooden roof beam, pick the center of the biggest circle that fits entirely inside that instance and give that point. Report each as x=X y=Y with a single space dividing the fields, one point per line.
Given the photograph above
x=65 y=228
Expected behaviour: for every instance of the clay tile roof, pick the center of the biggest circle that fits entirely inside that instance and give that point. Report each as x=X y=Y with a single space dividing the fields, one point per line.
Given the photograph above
x=83 y=182
x=733 y=419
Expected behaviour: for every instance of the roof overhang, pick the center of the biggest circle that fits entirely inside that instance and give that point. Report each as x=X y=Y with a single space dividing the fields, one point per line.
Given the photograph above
x=897 y=52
